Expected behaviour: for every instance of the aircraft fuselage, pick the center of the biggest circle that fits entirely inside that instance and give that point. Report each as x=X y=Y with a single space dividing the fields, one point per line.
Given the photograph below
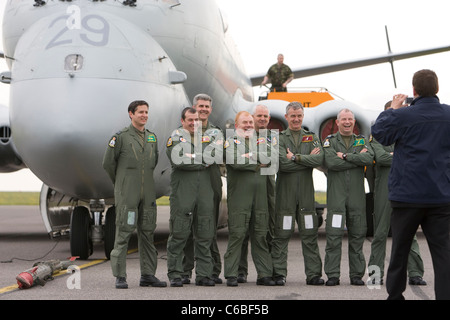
x=77 y=65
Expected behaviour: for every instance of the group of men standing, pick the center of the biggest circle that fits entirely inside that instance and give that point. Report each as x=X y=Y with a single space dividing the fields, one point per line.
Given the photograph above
x=269 y=189
x=261 y=208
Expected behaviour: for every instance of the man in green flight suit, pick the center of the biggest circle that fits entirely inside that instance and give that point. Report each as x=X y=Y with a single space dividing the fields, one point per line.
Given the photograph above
x=129 y=160
x=191 y=199
x=261 y=118
x=346 y=156
x=203 y=104
x=382 y=217
x=249 y=161
x=300 y=152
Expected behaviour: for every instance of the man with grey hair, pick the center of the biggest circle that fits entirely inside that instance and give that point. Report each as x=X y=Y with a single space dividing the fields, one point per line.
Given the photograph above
x=300 y=152
x=346 y=155
x=203 y=104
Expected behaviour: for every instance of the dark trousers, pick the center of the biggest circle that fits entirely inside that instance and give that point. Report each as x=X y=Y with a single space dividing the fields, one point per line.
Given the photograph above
x=435 y=222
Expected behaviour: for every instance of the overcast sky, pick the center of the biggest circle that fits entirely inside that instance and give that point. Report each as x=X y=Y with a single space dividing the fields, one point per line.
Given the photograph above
x=320 y=32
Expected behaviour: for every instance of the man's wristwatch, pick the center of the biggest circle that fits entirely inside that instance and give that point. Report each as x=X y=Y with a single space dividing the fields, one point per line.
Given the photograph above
x=293 y=157
x=344 y=156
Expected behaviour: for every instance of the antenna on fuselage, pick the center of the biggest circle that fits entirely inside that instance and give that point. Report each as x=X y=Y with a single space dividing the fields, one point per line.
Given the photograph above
x=391 y=61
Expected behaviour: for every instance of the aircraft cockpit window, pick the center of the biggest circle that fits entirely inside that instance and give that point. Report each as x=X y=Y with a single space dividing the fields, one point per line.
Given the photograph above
x=73 y=62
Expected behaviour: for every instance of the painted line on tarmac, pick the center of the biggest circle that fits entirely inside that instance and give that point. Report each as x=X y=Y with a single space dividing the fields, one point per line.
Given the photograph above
x=61 y=272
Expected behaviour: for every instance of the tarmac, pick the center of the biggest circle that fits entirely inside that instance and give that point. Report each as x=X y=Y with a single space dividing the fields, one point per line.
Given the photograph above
x=24 y=241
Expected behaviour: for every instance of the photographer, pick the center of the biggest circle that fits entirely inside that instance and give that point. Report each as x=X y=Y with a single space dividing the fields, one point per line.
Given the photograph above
x=419 y=181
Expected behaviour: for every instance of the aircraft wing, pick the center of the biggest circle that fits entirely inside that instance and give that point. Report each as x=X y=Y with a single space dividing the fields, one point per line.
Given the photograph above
x=357 y=63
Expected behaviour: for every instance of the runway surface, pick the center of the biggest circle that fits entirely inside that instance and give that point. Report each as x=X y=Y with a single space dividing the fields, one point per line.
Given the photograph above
x=24 y=241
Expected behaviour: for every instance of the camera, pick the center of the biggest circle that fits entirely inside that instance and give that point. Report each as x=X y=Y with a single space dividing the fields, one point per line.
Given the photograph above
x=409 y=100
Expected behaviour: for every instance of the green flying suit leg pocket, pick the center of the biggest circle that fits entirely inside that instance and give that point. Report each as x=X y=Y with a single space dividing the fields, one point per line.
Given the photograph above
x=308 y=222
x=126 y=220
x=180 y=223
x=205 y=227
x=335 y=223
x=149 y=219
x=284 y=224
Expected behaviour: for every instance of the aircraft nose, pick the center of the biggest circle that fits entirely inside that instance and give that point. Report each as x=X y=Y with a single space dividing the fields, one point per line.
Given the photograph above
x=70 y=92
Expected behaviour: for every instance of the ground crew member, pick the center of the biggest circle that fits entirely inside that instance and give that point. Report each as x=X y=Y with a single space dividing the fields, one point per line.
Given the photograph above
x=300 y=152
x=191 y=200
x=261 y=118
x=346 y=155
x=280 y=75
x=246 y=159
x=203 y=104
x=381 y=219
x=129 y=160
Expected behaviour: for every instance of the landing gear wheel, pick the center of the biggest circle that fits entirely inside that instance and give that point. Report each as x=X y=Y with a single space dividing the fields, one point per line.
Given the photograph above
x=80 y=233
x=109 y=231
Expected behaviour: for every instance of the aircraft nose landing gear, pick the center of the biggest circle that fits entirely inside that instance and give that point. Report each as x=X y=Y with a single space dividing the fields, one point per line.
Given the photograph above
x=85 y=231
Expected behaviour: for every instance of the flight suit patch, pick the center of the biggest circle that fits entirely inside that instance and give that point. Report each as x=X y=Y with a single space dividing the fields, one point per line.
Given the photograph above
x=358 y=142
x=274 y=141
x=326 y=143
x=261 y=140
x=151 y=138
x=307 y=138
x=169 y=142
x=112 y=143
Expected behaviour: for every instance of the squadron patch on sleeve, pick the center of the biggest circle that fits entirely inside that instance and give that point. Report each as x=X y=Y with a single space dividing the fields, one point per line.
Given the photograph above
x=274 y=141
x=169 y=142
x=112 y=143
